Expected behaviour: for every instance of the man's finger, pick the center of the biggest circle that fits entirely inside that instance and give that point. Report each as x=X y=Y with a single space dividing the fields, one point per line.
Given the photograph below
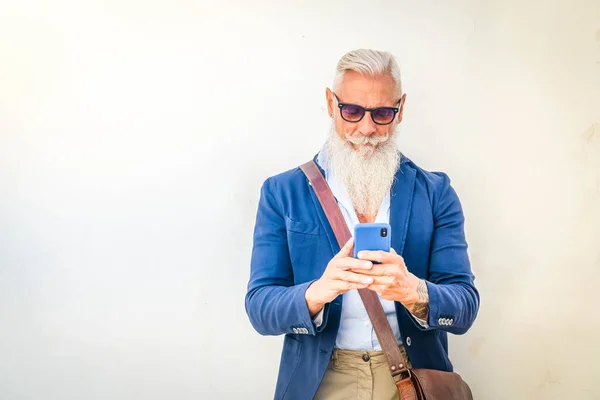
x=377 y=288
x=383 y=280
x=380 y=256
x=347 y=249
x=346 y=263
x=382 y=270
x=352 y=277
x=343 y=286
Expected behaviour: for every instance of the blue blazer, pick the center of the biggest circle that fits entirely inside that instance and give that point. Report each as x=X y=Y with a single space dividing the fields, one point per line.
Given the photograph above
x=293 y=243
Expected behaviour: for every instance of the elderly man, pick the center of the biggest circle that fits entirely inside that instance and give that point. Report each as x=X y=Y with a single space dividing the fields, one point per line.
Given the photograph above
x=304 y=286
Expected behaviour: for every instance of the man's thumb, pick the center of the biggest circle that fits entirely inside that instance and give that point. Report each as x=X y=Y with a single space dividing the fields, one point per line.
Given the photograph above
x=347 y=249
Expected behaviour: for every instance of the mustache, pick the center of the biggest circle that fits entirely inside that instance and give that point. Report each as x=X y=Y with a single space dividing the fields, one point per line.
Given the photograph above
x=362 y=140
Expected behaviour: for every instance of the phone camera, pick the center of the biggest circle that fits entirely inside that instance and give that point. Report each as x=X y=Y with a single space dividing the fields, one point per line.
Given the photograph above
x=383 y=232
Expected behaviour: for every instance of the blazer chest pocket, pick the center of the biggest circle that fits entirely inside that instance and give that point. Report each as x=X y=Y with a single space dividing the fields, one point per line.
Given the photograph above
x=304 y=244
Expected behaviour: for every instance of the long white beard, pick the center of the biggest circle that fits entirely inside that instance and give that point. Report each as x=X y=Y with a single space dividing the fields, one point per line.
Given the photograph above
x=368 y=172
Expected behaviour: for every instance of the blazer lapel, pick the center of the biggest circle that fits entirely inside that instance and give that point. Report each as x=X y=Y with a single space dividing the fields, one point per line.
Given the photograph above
x=401 y=204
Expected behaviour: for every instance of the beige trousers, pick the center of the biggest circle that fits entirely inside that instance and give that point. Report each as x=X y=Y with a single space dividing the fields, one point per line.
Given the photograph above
x=358 y=375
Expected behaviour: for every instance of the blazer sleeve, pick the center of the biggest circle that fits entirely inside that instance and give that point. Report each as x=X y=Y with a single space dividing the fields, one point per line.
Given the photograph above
x=453 y=297
x=273 y=303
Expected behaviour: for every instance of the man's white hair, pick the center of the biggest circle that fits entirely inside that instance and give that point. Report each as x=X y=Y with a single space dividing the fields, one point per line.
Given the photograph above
x=369 y=62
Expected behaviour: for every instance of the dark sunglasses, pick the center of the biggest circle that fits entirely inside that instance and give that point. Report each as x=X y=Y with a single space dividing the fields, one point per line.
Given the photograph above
x=379 y=115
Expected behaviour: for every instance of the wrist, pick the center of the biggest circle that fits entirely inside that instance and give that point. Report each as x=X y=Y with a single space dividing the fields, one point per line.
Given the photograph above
x=419 y=306
x=414 y=296
x=312 y=302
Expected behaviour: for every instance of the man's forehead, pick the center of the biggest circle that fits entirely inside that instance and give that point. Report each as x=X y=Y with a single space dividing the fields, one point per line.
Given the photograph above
x=366 y=90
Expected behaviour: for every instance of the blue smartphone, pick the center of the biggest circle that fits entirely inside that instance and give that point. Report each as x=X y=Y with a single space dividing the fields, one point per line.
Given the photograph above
x=372 y=236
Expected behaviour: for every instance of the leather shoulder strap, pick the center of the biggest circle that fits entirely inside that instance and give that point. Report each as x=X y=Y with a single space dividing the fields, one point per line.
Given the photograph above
x=387 y=340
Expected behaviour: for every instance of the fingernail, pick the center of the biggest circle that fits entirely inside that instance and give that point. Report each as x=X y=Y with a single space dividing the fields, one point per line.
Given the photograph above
x=360 y=254
x=368 y=265
x=369 y=280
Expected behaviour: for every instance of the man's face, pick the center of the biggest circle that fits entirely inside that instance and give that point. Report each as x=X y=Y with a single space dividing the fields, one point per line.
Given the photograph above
x=367 y=92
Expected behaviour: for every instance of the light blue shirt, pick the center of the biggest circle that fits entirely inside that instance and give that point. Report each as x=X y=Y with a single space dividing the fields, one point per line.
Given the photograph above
x=356 y=331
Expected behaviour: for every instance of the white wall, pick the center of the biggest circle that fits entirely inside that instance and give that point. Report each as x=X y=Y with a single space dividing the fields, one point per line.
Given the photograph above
x=134 y=137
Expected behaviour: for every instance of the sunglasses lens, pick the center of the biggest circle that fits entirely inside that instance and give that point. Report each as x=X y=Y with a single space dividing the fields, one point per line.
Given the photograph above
x=352 y=113
x=383 y=115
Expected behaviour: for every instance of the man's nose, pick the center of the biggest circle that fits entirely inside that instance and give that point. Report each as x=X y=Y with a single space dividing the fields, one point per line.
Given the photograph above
x=366 y=126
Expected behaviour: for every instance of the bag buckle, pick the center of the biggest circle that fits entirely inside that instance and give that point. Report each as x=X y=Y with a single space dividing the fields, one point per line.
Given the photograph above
x=400 y=375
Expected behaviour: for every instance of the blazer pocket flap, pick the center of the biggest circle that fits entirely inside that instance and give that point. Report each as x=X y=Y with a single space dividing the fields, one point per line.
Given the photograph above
x=307 y=227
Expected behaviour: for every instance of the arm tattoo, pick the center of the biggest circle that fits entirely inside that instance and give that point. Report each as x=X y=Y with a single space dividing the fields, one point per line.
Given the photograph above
x=420 y=309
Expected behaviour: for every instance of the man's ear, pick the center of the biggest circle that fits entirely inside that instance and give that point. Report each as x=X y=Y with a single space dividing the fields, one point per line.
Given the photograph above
x=400 y=112
x=330 y=101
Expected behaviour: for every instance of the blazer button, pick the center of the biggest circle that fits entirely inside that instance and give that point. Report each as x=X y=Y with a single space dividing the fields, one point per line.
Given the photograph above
x=408 y=341
x=295 y=330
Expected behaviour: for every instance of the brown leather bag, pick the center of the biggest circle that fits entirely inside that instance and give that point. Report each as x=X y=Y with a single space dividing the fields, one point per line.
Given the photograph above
x=412 y=383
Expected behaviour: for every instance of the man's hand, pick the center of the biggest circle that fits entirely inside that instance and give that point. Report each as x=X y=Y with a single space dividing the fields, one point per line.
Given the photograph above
x=392 y=281
x=340 y=276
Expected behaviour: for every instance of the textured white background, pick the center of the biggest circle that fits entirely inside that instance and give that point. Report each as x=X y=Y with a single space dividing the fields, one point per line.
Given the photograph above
x=134 y=136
